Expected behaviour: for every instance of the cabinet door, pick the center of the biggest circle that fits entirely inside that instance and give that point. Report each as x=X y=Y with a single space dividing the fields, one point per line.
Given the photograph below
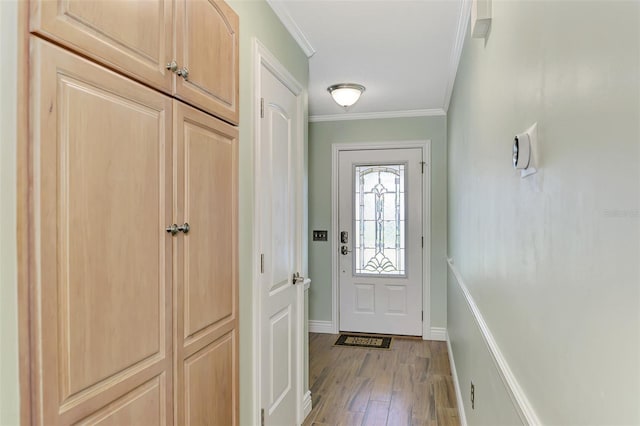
x=206 y=287
x=207 y=45
x=134 y=36
x=100 y=199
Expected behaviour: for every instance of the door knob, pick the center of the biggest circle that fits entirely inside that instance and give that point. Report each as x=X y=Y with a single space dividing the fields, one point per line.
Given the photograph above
x=297 y=279
x=345 y=250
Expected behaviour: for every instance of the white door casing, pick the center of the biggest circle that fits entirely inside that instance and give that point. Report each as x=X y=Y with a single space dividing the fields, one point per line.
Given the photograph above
x=380 y=260
x=278 y=298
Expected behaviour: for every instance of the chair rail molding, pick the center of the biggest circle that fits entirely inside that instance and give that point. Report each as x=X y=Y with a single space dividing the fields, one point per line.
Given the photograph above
x=522 y=405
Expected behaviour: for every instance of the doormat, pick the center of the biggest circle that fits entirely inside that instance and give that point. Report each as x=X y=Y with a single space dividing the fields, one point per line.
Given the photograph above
x=364 y=341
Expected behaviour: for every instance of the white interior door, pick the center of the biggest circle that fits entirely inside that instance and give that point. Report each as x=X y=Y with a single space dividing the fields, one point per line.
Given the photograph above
x=381 y=238
x=280 y=296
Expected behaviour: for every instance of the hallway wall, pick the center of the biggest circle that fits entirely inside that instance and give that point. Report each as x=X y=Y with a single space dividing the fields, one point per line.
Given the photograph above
x=552 y=261
x=321 y=136
x=9 y=396
x=257 y=19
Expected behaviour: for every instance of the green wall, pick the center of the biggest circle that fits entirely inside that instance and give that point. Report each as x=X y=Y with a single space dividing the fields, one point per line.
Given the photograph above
x=256 y=20
x=321 y=136
x=552 y=261
x=9 y=395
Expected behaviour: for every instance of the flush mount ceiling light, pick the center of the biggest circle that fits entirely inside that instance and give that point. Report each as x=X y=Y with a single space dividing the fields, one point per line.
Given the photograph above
x=346 y=94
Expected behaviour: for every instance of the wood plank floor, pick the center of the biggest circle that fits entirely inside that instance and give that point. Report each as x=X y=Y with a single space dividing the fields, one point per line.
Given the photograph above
x=410 y=384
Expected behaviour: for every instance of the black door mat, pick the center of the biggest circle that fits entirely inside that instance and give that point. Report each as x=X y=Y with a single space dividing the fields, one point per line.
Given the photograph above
x=364 y=341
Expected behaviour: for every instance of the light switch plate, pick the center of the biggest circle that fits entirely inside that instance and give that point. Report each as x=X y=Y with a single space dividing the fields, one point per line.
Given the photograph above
x=320 y=235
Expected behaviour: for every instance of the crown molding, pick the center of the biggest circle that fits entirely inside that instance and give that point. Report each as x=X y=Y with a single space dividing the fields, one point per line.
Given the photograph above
x=434 y=112
x=456 y=54
x=283 y=14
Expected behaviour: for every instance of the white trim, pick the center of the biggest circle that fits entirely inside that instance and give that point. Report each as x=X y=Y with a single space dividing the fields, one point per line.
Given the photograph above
x=307 y=405
x=262 y=57
x=290 y=24
x=426 y=225
x=438 y=333
x=456 y=383
x=516 y=393
x=456 y=53
x=435 y=112
x=325 y=327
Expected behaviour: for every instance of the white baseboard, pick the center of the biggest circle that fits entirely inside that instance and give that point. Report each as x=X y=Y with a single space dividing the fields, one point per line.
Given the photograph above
x=438 y=333
x=321 y=327
x=520 y=401
x=306 y=405
x=456 y=385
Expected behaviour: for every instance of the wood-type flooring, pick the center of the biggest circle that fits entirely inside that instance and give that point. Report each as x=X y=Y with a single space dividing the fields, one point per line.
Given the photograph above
x=410 y=384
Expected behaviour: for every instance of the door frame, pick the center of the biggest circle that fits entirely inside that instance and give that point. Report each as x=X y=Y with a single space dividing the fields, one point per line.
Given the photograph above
x=336 y=148
x=263 y=57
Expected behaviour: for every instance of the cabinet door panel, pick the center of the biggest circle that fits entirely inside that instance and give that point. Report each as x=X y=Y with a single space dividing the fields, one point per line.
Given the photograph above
x=209 y=384
x=102 y=195
x=145 y=405
x=133 y=36
x=206 y=289
x=207 y=45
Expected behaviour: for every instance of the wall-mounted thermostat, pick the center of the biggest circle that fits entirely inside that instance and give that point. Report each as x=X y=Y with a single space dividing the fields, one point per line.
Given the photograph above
x=521 y=151
x=524 y=148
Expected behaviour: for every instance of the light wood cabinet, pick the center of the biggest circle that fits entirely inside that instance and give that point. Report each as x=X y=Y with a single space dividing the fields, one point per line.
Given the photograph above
x=141 y=38
x=130 y=325
x=206 y=315
x=102 y=194
x=206 y=38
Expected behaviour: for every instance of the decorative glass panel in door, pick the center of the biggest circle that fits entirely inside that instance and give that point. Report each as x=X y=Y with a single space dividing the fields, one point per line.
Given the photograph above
x=379 y=219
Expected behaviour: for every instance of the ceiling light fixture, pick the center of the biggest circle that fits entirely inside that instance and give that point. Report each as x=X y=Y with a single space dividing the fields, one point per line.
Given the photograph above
x=346 y=94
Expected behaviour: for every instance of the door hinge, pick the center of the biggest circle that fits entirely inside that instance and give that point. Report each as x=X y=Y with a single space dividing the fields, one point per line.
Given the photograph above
x=262 y=417
x=422 y=241
x=423 y=316
x=261 y=263
x=261 y=107
x=422 y=163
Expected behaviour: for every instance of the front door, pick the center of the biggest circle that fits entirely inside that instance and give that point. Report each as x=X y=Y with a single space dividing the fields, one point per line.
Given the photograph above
x=380 y=241
x=277 y=195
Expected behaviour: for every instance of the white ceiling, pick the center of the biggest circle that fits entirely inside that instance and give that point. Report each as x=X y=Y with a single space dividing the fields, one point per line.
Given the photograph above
x=404 y=52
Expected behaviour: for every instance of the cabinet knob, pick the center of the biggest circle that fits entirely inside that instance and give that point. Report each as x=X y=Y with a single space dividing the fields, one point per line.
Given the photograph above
x=184 y=228
x=183 y=72
x=172 y=66
x=174 y=229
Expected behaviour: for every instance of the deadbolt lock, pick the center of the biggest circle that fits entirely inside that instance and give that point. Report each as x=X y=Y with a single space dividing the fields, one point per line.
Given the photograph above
x=344 y=237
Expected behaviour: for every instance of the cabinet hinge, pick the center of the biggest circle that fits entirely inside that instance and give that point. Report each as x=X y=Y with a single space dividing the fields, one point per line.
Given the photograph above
x=261 y=107
x=261 y=263
x=422 y=163
x=262 y=417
